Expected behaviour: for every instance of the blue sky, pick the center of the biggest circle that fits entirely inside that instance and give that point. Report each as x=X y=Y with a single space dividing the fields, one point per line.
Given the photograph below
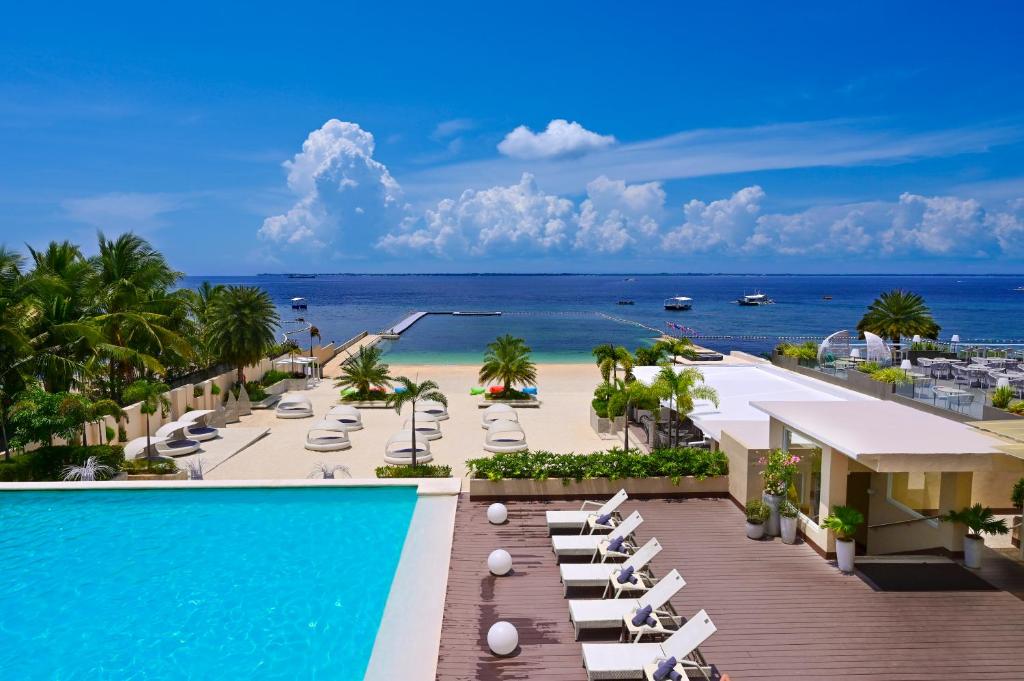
x=875 y=137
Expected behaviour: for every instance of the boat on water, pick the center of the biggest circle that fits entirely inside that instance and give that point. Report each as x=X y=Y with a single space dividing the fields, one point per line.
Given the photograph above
x=678 y=303
x=1019 y=288
x=625 y=302
x=299 y=303
x=302 y=276
x=826 y=297
x=754 y=299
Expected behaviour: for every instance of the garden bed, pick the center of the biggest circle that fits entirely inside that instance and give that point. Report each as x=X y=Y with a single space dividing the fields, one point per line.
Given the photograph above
x=527 y=404
x=599 y=488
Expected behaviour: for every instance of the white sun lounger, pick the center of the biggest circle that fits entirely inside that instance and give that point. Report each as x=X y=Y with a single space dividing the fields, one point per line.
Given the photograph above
x=628 y=660
x=594 y=545
x=432 y=407
x=581 y=519
x=602 y=574
x=609 y=613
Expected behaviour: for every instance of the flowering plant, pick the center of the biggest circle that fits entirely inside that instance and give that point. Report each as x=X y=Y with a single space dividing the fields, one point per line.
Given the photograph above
x=779 y=469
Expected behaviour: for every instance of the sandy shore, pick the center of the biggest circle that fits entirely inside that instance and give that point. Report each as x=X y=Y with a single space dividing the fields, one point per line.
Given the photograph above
x=561 y=424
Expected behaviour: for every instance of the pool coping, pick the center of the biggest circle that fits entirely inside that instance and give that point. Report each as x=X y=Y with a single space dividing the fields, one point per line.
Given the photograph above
x=410 y=648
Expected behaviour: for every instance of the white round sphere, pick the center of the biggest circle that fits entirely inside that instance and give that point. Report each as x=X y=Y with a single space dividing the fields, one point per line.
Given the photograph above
x=499 y=562
x=497 y=514
x=502 y=638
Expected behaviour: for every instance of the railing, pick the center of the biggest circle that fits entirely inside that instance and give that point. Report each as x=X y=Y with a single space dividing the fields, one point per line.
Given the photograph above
x=908 y=521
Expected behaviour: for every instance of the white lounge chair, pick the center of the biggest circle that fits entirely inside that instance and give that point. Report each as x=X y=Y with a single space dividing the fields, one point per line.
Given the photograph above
x=136 y=449
x=177 y=443
x=293 y=406
x=583 y=518
x=610 y=613
x=582 y=575
x=398 y=450
x=327 y=436
x=427 y=427
x=505 y=436
x=498 y=412
x=200 y=429
x=432 y=407
x=632 y=660
x=595 y=545
x=347 y=416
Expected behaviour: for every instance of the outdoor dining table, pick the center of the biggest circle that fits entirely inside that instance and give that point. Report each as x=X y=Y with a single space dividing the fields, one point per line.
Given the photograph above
x=949 y=393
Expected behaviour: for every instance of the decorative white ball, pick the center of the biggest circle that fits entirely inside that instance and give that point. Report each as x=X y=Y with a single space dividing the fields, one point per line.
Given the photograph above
x=502 y=638
x=497 y=514
x=499 y=562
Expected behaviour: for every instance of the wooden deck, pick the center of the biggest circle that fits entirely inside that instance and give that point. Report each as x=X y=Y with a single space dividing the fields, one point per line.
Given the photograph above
x=781 y=611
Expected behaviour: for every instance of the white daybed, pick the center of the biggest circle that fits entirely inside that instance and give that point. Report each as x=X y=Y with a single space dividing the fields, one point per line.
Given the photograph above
x=294 y=406
x=398 y=450
x=581 y=575
x=136 y=449
x=611 y=613
x=427 y=427
x=432 y=407
x=581 y=519
x=347 y=416
x=199 y=430
x=498 y=412
x=505 y=436
x=596 y=545
x=177 y=443
x=327 y=436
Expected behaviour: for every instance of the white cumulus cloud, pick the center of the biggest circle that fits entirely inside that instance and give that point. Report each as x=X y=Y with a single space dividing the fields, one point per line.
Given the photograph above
x=519 y=219
x=725 y=223
x=616 y=216
x=346 y=198
x=561 y=139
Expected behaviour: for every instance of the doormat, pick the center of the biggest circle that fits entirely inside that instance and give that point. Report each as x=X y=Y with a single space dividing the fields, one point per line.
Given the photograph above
x=921 y=577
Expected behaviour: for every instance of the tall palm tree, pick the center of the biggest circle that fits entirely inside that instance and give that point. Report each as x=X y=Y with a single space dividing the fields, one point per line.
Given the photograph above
x=15 y=348
x=637 y=393
x=150 y=395
x=364 y=370
x=650 y=355
x=682 y=389
x=676 y=346
x=413 y=393
x=899 y=314
x=94 y=411
x=313 y=333
x=508 y=360
x=241 y=325
x=609 y=358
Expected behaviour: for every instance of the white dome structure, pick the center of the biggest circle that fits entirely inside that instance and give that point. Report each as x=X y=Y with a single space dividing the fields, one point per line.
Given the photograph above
x=505 y=437
x=398 y=450
x=327 y=436
x=498 y=412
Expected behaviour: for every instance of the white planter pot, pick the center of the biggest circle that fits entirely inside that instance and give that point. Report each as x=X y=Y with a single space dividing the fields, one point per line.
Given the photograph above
x=771 y=526
x=844 y=554
x=972 y=551
x=788 y=528
x=755 y=530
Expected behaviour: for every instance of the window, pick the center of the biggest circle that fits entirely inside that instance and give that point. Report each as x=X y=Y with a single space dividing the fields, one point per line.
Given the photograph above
x=806 y=489
x=916 y=493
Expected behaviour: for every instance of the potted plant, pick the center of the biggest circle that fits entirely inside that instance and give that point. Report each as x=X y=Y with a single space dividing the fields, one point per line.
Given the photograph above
x=979 y=520
x=844 y=521
x=779 y=469
x=757 y=514
x=788 y=513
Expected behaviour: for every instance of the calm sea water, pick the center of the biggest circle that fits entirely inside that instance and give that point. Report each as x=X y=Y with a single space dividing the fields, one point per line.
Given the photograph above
x=197 y=584
x=563 y=316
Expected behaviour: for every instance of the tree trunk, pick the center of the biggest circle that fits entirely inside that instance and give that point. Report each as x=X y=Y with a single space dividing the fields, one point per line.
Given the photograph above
x=414 y=433
x=241 y=375
x=85 y=434
x=625 y=422
x=149 y=453
x=3 y=429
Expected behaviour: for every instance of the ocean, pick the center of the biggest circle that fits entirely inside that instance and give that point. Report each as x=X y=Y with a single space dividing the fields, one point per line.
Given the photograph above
x=563 y=316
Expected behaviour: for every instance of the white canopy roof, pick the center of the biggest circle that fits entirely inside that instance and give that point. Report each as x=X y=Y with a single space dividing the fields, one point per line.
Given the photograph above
x=739 y=385
x=194 y=415
x=169 y=429
x=295 y=360
x=137 y=448
x=293 y=398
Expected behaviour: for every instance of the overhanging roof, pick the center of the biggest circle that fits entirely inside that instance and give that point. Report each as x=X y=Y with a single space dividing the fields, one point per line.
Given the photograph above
x=891 y=437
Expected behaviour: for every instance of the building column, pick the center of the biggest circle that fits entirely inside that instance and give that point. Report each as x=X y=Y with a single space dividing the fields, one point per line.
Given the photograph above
x=834 y=468
x=954 y=494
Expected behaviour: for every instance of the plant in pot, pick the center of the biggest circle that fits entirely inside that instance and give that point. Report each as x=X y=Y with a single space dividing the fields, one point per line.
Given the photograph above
x=1002 y=396
x=788 y=513
x=844 y=521
x=778 y=472
x=757 y=515
x=979 y=520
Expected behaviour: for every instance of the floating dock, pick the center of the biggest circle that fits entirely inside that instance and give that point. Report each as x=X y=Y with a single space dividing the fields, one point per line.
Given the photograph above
x=396 y=331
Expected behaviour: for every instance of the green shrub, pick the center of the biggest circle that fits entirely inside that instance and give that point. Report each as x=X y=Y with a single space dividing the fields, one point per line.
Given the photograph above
x=510 y=394
x=46 y=463
x=214 y=389
x=805 y=352
x=1002 y=396
x=893 y=375
x=151 y=467
x=273 y=376
x=425 y=470
x=600 y=408
x=757 y=511
x=350 y=395
x=255 y=391
x=1017 y=495
x=1016 y=408
x=868 y=367
x=614 y=464
x=197 y=391
x=925 y=346
x=109 y=432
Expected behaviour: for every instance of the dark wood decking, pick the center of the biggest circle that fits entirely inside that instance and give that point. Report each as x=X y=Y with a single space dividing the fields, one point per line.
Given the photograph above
x=781 y=611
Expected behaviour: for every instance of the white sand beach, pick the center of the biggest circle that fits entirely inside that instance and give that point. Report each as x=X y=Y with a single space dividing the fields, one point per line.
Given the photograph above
x=560 y=424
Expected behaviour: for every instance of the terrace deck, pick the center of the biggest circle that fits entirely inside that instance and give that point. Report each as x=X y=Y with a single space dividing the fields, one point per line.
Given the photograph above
x=781 y=611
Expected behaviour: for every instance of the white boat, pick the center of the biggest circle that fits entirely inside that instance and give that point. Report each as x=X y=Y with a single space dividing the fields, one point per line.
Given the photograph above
x=1019 y=288
x=298 y=303
x=755 y=299
x=678 y=303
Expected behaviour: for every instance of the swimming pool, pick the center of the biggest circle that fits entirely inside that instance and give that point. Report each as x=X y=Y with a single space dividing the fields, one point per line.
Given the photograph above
x=197 y=583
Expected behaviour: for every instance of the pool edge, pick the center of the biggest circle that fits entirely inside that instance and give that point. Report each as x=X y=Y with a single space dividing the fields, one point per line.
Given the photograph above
x=425 y=487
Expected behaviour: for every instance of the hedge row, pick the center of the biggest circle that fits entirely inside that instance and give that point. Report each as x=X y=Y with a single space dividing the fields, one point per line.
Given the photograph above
x=424 y=470
x=47 y=463
x=613 y=464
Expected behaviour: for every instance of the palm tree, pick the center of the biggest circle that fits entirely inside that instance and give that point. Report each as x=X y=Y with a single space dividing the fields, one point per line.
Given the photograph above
x=94 y=411
x=609 y=358
x=413 y=393
x=682 y=389
x=508 y=360
x=242 y=321
x=650 y=355
x=637 y=393
x=676 y=346
x=978 y=519
x=151 y=397
x=364 y=371
x=899 y=314
x=15 y=348
x=313 y=333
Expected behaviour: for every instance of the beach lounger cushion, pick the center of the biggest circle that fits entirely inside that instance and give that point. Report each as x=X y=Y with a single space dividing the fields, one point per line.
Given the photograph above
x=667 y=670
x=643 y=615
x=605 y=520
x=627 y=660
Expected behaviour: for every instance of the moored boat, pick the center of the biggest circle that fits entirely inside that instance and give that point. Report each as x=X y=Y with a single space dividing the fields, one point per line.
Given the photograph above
x=678 y=303
x=754 y=299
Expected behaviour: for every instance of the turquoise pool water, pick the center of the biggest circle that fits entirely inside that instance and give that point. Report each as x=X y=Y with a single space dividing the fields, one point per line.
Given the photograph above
x=197 y=584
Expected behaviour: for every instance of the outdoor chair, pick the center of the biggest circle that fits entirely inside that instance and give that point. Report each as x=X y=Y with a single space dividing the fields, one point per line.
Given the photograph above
x=589 y=510
x=596 y=546
x=594 y=613
x=581 y=575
